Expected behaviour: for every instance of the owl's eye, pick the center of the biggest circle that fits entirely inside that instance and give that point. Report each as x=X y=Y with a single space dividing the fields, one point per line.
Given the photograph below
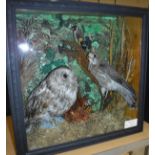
x=65 y=75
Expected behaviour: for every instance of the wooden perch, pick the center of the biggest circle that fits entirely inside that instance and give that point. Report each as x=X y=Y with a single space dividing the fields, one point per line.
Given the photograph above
x=80 y=55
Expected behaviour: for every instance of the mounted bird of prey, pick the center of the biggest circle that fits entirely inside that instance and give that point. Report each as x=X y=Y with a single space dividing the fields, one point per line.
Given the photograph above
x=110 y=80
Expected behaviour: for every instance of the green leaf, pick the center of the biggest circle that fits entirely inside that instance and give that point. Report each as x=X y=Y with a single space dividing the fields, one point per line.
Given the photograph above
x=95 y=44
x=65 y=17
x=50 y=54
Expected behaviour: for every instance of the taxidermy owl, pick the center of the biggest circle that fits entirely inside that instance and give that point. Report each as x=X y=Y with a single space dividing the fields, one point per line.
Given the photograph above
x=53 y=97
x=110 y=80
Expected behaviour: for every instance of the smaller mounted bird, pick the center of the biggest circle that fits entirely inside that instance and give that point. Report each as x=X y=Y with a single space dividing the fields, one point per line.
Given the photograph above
x=110 y=80
x=55 y=95
x=77 y=34
x=84 y=42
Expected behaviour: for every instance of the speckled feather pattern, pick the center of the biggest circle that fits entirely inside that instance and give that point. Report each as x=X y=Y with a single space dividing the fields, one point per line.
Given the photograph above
x=54 y=96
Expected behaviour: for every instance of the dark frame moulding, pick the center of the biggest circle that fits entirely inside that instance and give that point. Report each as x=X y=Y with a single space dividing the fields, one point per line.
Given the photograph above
x=13 y=78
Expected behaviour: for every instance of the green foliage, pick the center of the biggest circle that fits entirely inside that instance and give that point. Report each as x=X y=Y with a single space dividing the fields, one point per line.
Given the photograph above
x=113 y=18
x=49 y=54
x=23 y=16
x=58 y=26
x=65 y=17
x=51 y=18
x=93 y=95
x=54 y=64
x=93 y=28
x=70 y=17
x=95 y=44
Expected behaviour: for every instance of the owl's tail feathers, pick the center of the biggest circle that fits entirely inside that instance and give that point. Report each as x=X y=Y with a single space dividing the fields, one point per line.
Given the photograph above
x=129 y=95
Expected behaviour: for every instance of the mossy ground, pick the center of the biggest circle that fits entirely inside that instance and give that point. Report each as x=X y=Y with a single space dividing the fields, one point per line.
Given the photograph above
x=99 y=123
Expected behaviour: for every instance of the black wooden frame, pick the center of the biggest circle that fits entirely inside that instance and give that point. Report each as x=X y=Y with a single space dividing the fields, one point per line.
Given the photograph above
x=13 y=77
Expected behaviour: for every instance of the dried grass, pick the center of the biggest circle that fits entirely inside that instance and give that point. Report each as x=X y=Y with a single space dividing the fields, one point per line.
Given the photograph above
x=98 y=123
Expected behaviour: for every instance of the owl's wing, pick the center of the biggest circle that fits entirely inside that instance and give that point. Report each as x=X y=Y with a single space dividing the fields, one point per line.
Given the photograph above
x=114 y=75
x=36 y=101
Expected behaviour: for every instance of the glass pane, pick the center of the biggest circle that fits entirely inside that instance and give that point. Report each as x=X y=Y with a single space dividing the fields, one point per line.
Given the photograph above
x=79 y=74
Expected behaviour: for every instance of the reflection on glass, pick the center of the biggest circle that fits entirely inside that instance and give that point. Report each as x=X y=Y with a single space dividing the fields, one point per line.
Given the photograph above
x=24 y=47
